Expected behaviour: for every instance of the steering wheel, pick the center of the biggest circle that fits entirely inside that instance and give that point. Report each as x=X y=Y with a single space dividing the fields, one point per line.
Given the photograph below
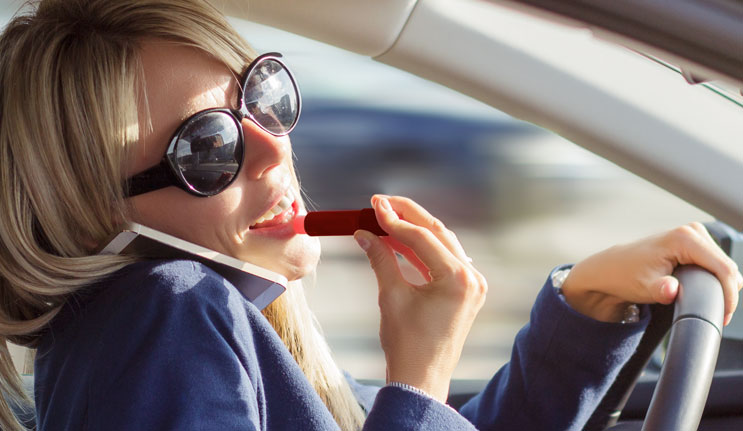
x=686 y=376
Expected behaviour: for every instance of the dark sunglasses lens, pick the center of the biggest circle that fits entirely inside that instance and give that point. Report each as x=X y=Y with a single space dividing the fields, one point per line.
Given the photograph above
x=271 y=97
x=208 y=153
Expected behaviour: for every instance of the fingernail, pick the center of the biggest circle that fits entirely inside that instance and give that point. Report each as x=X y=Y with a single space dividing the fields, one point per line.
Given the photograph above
x=385 y=204
x=728 y=318
x=363 y=242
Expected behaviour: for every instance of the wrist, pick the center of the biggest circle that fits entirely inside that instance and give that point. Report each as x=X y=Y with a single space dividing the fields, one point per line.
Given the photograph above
x=396 y=384
x=433 y=387
x=593 y=303
x=596 y=305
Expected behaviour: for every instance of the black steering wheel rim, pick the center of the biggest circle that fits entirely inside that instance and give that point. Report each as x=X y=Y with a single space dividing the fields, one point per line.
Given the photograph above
x=696 y=331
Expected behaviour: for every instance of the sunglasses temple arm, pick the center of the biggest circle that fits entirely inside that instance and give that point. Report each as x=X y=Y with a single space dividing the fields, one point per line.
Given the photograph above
x=155 y=178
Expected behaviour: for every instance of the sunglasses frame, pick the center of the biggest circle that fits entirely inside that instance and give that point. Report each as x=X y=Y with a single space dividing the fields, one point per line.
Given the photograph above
x=167 y=173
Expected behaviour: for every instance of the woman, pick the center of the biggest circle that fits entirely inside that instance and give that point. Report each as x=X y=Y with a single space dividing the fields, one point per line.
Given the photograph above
x=105 y=107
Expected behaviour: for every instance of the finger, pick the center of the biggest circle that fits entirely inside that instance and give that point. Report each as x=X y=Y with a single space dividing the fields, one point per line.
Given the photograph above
x=665 y=289
x=414 y=213
x=729 y=317
x=426 y=246
x=409 y=255
x=421 y=267
x=731 y=304
x=705 y=234
x=701 y=229
x=698 y=250
x=381 y=257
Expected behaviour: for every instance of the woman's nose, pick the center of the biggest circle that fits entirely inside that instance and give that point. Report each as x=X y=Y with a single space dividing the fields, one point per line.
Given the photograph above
x=263 y=151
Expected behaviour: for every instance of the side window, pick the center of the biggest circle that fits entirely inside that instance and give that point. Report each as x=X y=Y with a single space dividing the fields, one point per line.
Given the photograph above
x=522 y=200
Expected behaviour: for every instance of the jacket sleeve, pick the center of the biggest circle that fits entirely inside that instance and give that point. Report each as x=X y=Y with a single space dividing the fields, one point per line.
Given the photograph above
x=561 y=366
x=397 y=409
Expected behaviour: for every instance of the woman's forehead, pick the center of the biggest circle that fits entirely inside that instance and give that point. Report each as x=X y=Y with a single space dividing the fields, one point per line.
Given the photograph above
x=178 y=82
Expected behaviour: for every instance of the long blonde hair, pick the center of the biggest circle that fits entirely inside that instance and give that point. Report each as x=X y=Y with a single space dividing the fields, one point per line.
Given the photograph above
x=71 y=82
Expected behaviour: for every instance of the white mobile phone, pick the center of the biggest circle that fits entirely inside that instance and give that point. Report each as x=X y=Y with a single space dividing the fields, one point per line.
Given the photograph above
x=259 y=285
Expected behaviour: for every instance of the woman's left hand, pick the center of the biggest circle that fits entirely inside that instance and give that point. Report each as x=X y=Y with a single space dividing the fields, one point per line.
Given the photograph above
x=603 y=285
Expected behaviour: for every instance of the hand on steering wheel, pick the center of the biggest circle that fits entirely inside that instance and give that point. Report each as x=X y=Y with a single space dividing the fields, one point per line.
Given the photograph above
x=603 y=285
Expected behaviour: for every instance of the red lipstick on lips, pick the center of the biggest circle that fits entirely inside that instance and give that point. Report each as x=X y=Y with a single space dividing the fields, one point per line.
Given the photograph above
x=330 y=223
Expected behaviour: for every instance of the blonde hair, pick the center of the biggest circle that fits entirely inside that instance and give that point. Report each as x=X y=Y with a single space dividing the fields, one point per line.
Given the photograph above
x=71 y=82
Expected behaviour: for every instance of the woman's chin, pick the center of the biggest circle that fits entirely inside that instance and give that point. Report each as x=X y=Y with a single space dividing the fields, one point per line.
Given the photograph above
x=294 y=262
x=303 y=263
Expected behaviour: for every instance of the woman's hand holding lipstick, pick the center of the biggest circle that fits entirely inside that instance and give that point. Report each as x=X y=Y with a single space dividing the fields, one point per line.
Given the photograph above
x=423 y=327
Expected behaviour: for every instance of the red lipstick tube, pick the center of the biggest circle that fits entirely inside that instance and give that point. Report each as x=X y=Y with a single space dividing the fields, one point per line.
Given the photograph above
x=330 y=223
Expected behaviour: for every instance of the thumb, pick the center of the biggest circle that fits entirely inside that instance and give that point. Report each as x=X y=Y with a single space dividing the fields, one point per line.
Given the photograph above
x=665 y=289
x=381 y=256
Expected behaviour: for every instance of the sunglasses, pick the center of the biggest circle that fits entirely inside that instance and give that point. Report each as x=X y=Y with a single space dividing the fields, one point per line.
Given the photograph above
x=206 y=152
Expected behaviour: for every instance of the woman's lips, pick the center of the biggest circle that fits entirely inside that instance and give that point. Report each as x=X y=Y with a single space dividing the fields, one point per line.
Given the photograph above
x=282 y=219
x=278 y=211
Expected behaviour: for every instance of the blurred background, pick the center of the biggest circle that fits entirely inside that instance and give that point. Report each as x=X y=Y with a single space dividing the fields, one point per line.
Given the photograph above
x=521 y=200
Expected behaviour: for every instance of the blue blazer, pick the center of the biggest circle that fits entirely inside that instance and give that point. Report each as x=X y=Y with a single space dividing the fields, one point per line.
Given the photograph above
x=171 y=345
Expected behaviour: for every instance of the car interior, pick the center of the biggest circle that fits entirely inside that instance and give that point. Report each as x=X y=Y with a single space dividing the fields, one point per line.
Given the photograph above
x=581 y=70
